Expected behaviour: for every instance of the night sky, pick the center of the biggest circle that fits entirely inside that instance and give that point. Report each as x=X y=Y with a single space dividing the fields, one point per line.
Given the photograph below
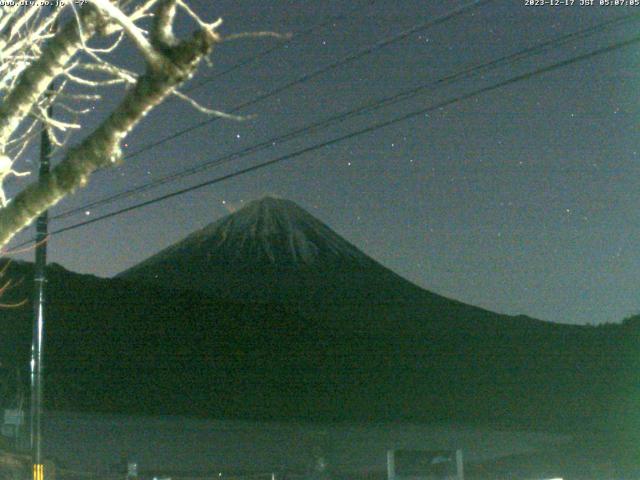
x=522 y=200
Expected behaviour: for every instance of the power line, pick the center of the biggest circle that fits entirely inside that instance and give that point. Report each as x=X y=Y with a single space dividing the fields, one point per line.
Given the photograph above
x=366 y=108
x=316 y=73
x=279 y=46
x=356 y=133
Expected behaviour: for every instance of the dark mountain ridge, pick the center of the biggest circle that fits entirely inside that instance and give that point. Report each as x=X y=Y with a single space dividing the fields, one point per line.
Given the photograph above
x=274 y=251
x=341 y=338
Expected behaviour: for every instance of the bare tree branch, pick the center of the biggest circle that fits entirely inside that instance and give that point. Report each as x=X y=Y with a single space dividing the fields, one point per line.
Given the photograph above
x=130 y=28
x=36 y=78
x=32 y=56
x=102 y=147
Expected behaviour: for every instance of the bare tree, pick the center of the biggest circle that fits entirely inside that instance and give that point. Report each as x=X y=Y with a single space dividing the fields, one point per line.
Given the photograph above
x=78 y=55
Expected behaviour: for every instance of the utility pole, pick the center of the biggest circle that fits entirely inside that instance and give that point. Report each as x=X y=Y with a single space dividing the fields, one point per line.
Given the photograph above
x=37 y=341
x=40 y=280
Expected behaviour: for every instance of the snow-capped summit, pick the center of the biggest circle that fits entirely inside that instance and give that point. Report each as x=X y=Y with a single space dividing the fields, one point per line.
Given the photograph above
x=270 y=231
x=271 y=249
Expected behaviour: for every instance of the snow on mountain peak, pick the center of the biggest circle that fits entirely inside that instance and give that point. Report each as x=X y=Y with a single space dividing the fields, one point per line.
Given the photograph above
x=267 y=231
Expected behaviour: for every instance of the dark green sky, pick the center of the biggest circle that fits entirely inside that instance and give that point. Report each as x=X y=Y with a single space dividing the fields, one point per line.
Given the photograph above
x=522 y=200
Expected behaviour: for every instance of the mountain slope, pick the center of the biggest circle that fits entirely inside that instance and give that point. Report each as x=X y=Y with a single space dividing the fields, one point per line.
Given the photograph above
x=127 y=347
x=377 y=343
x=287 y=320
x=274 y=251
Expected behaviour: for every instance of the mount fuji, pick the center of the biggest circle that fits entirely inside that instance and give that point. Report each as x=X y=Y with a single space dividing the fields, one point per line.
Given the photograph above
x=269 y=314
x=273 y=251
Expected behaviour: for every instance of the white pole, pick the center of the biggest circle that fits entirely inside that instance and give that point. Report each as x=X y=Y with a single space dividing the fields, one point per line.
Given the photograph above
x=459 y=465
x=391 y=465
